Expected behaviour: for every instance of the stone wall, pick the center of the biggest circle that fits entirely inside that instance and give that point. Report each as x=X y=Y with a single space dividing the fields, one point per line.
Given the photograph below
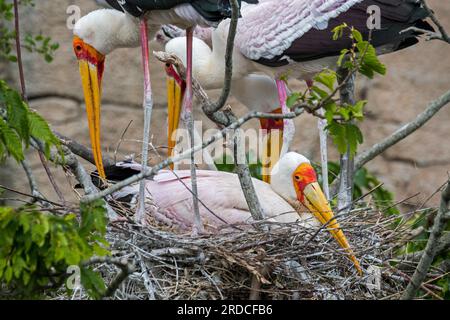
x=416 y=76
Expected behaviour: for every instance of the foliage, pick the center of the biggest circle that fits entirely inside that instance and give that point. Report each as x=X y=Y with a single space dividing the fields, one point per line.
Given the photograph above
x=37 y=247
x=18 y=123
x=341 y=117
x=425 y=220
x=33 y=43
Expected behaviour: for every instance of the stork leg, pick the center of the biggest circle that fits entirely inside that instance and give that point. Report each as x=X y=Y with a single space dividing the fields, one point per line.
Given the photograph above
x=189 y=119
x=288 y=124
x=323 y=136
x=148 y=107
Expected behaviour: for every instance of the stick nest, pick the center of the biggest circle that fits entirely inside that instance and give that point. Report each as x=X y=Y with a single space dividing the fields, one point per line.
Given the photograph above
x=287 y=260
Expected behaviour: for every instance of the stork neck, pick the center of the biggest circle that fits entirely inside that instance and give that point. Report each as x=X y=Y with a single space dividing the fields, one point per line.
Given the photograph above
x=128 y=33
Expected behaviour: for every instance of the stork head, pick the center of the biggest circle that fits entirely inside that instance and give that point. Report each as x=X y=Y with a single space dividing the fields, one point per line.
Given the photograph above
x=96 y=35
x=295 y=180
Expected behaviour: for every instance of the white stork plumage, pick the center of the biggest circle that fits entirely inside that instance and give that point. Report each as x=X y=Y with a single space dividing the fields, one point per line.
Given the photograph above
x=293 y=195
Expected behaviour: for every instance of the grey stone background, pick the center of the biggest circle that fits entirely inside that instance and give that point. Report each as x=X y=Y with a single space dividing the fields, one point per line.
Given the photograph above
x=416 y=76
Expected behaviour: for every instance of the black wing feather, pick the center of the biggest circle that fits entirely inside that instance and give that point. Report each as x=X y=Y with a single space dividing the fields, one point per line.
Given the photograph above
x=211 y=10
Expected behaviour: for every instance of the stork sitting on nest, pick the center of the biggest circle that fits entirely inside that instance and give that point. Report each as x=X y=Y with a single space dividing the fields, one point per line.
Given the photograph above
x=293 y=196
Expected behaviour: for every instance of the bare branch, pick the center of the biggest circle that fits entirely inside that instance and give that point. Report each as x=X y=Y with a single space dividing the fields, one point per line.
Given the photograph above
x=402 y=132
x=431 y=247
x=82 y=151
x=430 y=35
x=37 y=195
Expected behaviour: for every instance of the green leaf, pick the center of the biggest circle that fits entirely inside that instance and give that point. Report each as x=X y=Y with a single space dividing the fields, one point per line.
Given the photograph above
x=357 y=35
x=292 y=99
x=11 y=141
x=328 y=78
x=369 y=64
x=93 y=283
x=17 y=114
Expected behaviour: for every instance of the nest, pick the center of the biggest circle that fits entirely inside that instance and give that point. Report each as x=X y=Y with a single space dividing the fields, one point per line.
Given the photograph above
x=269 y=261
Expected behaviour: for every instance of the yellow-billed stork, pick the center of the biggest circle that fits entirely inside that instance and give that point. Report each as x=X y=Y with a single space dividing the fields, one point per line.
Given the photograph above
x=293 y=195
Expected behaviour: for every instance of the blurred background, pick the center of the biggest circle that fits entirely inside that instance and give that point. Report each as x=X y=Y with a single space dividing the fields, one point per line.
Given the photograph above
x=417 y=165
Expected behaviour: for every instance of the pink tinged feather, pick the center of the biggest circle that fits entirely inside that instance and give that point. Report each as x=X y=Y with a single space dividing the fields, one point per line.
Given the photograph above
x=222 y=201
x=269 y=28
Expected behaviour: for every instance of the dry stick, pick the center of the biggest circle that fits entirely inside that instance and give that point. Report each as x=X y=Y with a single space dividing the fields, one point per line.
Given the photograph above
x=400 y=134
x=24 y=91
x=431 y=247
x=430 y=35
x=82 y=151
x=189 y=121
x=33 y=184
x=51 y=178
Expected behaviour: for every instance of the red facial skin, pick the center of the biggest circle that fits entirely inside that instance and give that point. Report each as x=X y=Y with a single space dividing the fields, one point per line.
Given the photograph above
x=171 y=72
x=303 y=176
x=272 y=124
x=87 y=53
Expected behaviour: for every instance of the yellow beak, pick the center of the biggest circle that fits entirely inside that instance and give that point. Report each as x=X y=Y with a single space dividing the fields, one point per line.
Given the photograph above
x=174 y=106
x=92 y=96
x=315 y=201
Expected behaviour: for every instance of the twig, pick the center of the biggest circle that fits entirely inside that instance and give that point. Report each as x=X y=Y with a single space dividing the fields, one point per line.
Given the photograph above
x=431 y=247
x=210 y=109
x=19 y=50
x=51 y=178
x=37 y=195
x=430 y=35
x=82 y=151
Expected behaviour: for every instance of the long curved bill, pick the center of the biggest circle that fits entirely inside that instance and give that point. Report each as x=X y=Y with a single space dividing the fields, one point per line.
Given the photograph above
x=175 y=92
x=315 y=201
x=92 y=95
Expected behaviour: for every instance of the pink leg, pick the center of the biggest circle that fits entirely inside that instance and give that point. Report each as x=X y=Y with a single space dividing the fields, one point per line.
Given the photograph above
x=148 y=107
x=288 y=124
x=187 y=109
